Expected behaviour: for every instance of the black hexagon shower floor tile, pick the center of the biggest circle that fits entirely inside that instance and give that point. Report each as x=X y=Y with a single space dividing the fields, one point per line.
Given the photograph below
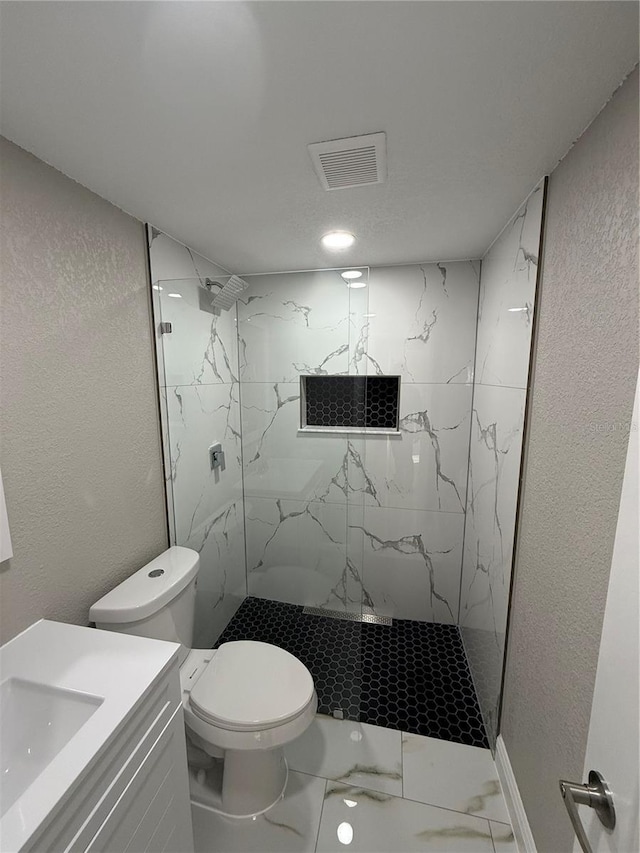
x=411 y=676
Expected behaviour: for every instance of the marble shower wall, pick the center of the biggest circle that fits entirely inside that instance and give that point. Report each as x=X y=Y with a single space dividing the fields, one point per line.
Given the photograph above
x=199 y=394
x=346 y=520
x=505 y=315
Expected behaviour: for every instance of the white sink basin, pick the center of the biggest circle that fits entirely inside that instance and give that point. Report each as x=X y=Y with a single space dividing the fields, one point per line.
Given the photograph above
x=37 y=722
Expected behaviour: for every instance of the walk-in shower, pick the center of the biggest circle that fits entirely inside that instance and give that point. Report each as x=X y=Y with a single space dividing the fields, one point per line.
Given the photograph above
x=364 y=517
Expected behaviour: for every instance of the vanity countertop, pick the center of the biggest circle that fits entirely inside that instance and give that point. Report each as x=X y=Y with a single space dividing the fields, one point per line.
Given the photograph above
x=116 y=671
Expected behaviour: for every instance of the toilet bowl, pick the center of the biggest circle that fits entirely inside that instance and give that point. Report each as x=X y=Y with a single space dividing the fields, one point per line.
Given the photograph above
x=242 y=702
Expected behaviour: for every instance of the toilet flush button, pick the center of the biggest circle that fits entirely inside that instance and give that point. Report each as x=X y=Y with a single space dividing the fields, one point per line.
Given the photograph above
x=155 y=573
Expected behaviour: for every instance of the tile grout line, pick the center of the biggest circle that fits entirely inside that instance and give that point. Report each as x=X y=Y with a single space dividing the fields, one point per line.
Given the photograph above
x=493 y=840
x=324 y=796
x=417 y=802
x=402 y=762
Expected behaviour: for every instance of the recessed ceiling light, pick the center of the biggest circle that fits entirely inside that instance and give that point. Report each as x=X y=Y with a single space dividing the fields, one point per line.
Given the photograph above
x=175 y=295
x=349 y=274
x=338 y=240
x=157 y=287
x=356 y=284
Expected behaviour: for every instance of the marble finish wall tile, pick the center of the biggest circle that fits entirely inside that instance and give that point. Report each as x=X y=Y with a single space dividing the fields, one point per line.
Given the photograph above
x=371 y=822
x=503 y=838
x=199 y=394
x=507 y=296
x=207 y=505
x=360 y=317
x=425 y=467
x=279 y=461
x=222 y=582
x=346 y=751
x=494 y=470
x=166 y=456
x=416 y=321
x=507 y=299
x=453 y=776
x=200 y=416
x=412 y=563
x=297 y=552
x=202 y=347
x=291 y=324
x=172 y=260
x=422 y=322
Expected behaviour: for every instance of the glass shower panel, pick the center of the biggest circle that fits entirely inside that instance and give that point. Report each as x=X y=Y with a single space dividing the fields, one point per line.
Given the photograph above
x=200 y=397
x=295 y=479
x=296 y=476
x=359 y=490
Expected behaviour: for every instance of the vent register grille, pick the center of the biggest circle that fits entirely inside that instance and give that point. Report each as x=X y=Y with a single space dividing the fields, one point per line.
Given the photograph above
x=354 y=162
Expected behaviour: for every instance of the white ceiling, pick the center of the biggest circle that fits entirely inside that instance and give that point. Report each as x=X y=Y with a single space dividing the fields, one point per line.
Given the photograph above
x=196 y=116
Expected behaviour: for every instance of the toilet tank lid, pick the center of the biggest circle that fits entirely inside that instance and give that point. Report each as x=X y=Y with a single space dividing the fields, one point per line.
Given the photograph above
x=149 y=589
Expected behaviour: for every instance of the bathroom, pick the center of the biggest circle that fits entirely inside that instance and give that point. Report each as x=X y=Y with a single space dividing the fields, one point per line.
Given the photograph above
x=405 y=460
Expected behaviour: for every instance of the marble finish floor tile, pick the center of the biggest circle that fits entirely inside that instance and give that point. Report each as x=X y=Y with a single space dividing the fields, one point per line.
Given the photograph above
x=453 y=776
x=409 y=676
x=289 y=827
x=370 y=822
x=351 y=752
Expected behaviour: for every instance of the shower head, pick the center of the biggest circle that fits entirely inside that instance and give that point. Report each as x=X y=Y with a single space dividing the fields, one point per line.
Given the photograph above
x=228 y=292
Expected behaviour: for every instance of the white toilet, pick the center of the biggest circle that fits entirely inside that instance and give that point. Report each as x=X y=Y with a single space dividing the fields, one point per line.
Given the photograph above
x=242 y=702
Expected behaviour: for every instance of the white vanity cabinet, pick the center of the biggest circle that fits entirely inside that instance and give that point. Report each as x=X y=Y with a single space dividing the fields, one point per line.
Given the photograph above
x=136 y=796
x=132 y=790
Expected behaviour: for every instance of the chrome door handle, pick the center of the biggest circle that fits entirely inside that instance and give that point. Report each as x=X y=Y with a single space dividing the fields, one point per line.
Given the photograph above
x=596 y=795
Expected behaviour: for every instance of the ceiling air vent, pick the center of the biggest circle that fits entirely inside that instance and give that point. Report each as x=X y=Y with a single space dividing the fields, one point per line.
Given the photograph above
x=353 y=162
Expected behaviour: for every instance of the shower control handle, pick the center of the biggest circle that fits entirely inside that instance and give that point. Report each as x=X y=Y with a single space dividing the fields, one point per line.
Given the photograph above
x=216 y=457
x=596 y=795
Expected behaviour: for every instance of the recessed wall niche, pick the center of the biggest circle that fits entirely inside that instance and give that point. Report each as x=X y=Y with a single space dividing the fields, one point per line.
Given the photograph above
x=350 y=403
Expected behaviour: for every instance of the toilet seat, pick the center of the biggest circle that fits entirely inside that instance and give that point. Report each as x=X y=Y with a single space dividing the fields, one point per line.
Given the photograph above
x=215 y=739
x=250 y=686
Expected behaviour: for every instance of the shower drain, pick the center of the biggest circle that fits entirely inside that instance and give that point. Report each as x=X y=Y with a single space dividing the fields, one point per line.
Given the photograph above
x=367 y=615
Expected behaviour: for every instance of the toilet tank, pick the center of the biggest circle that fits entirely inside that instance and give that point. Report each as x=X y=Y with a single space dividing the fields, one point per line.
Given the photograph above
x=158 y=601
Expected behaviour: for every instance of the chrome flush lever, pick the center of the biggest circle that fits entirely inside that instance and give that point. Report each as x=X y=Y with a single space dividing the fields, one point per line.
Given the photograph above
x=596 y=795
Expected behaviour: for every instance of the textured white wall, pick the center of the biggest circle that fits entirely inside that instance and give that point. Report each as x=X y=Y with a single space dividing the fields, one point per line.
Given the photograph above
x=585 y=371
x=81 y=456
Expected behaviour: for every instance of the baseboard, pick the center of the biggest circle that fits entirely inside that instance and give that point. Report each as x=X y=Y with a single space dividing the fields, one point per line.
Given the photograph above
x=517 y=814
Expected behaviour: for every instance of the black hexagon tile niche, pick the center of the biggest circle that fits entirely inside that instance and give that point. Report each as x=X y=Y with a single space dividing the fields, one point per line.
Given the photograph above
x=355 y=402
x=411 y=676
